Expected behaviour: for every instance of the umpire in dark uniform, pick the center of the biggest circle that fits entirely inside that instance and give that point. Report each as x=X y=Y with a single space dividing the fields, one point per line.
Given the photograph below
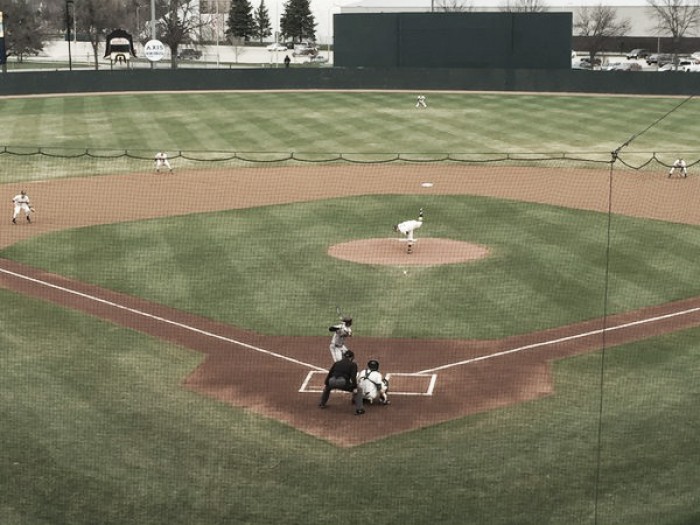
x=343 y=376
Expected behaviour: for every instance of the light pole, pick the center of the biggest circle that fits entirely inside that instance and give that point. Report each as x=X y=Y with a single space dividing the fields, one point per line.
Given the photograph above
x=69 y=5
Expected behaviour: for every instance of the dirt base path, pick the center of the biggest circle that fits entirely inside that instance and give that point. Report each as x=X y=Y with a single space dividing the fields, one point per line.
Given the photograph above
x=432 y=380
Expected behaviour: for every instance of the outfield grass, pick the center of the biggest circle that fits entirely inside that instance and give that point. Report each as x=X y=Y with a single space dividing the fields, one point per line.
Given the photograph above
x=96 y=428
x=348 y=122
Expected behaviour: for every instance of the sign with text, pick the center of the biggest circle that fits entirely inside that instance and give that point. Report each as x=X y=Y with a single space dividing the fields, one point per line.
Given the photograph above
x=154 y=50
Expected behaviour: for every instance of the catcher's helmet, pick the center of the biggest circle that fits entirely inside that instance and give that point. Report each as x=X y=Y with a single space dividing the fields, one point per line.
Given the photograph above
x=373 y=365
x=349 y=354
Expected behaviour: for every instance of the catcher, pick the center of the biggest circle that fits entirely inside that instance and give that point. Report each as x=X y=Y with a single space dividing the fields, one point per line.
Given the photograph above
x=22 y=204
x=372 y=385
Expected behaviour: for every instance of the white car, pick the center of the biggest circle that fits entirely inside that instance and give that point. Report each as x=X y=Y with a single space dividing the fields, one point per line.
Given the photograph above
x=277 y=47
x=317 y=59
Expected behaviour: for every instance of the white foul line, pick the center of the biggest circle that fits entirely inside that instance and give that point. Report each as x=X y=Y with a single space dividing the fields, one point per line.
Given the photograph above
x=160 y=319
x=560 y=340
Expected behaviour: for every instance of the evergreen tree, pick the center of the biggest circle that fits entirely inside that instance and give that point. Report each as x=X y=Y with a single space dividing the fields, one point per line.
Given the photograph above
x=263 y=26
x=241 y=23
x=297 y=21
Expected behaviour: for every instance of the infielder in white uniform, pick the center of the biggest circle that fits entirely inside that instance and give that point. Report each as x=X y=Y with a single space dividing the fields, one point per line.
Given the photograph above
x=407 y=228
x=21 y=203
x=420 y=102
x=681 y=166
x=161 y=160
x=340 y=332
x=372 y=385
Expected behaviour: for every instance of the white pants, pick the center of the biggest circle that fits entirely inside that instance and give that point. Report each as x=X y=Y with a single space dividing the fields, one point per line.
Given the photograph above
x=21 y=207
x=337 y=352
x=162 y=163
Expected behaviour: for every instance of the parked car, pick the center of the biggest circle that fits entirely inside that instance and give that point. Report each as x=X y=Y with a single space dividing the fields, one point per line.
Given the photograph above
x=638 y=53
x=623 y=66
x=277 y=47
x=302 y=49
x=189 y=54
x=317 y=59
x=585 y=63
x=659 y=58
x=683 y=63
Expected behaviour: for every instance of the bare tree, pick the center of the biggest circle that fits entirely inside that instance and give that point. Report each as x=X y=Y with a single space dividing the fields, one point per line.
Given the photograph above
x=675 y=17
x=177 y=22
x=96 y=18
x=599 y=23
x=453 y=6
x=524 y=6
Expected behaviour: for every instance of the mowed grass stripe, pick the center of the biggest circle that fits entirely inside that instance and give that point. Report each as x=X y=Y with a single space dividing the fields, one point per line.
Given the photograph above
x=350 y=122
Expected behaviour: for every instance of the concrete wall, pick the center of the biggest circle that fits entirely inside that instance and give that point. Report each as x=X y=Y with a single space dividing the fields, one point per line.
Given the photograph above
x=622 y=82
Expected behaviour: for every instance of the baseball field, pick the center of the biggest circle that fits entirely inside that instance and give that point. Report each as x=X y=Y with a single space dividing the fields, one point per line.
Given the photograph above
x=165 y=335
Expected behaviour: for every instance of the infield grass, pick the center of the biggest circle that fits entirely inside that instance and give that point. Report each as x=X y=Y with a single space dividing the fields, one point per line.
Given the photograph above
x=547 y=266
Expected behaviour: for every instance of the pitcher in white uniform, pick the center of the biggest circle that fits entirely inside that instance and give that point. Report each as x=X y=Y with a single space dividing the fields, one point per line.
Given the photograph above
x=407 y=228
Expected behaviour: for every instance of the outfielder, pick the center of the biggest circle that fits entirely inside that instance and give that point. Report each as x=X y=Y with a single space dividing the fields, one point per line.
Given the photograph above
x=161 y=160
x=340 y=332
x=21 y=203
x=420 y=102
x=372 y=385
x=681 y=166
x=407 y=228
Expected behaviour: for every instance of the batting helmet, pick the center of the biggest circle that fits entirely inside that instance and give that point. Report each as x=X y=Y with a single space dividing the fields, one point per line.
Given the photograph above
x=347 y=319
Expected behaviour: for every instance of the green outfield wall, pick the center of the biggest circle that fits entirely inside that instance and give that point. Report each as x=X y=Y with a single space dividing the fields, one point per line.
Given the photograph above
x=462 y=40
x=622 y=82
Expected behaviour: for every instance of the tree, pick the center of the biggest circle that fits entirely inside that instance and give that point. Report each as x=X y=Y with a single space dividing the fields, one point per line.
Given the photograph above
x=22 y=29
x=176 y=22
x=263 y=25
x=453 y=6
x=524 y=6
x=241 y=23
x=297 y=22
x=97 y=18
x=675 y=17
x=599 y=24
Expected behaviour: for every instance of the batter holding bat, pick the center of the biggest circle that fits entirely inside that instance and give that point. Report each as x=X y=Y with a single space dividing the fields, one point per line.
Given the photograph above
x=22 y=204
x=340 y=332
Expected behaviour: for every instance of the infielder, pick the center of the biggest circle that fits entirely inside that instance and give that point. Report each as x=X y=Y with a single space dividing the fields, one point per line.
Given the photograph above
x=407 y=228
x=21 y=203
x=161 y=160
x=420 y=102
x=340 y=332
x=681 y=166
x=372 y=385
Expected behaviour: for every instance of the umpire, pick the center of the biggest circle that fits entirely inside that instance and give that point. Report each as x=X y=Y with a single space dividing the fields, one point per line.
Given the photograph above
x=343 y=376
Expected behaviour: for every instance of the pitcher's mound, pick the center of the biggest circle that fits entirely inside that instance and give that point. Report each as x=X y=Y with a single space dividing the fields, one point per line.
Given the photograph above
x=426 y=252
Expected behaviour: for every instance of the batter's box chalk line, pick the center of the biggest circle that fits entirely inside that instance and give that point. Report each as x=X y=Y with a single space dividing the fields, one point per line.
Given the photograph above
x=400 y=383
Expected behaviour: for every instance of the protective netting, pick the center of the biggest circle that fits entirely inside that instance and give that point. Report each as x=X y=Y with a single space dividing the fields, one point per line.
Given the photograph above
x=542 y=330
